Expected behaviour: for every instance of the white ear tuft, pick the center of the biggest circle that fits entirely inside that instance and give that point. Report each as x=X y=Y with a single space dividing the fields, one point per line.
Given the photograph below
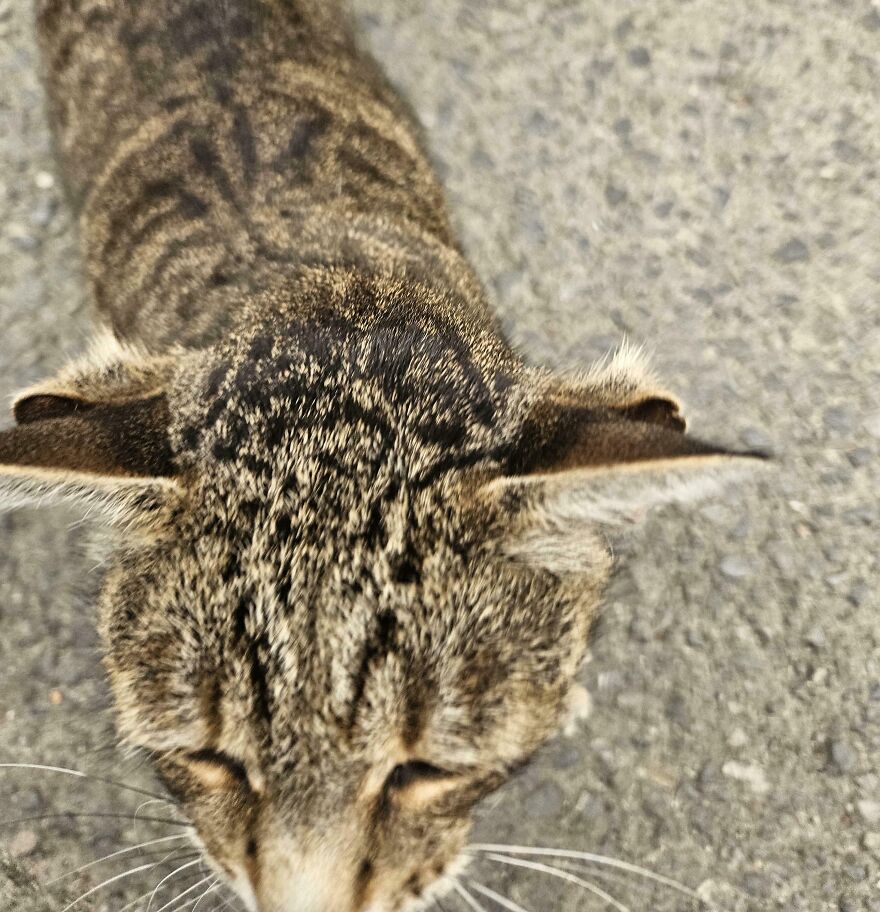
x=628 y=366
x=619 y=379
x=110 y=370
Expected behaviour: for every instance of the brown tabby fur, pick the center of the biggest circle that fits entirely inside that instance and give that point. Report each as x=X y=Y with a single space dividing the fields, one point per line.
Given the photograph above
x=358 y=550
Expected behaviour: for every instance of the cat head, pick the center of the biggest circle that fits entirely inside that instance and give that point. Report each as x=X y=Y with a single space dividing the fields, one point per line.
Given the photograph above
x=360 y=552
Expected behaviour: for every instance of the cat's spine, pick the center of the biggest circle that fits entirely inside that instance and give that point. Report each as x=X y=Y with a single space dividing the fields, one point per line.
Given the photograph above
x=112 y=65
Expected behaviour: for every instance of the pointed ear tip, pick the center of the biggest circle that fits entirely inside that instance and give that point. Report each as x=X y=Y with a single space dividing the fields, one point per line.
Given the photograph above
x=744 y=463
x=729 y=459
x=766 y=455
x=763 y=455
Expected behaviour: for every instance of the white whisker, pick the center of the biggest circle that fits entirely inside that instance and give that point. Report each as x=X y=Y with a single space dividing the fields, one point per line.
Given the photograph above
x=136 y=900
x=610 y=876
x=165 y=879
x=502 y=901
x=145 y=894
x=210 y=889
x=222 y=906
x=111 y=880
x=93 y=815
x=144 y=804
x=562 y=875
x=195 y=886
x=225 y=904
x=98 y=861
x=77 y=774
x=589 y=857
x=467 y=897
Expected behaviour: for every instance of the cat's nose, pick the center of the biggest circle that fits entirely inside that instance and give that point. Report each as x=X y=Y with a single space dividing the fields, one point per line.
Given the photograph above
x=304 y=882
x=297 y=899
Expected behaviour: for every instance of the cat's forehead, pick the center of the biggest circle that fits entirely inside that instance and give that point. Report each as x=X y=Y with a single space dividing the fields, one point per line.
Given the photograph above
x=267 y=651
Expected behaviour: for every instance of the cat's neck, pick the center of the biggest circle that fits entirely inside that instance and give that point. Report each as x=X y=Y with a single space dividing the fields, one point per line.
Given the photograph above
x=224 y=148
x=213 y=302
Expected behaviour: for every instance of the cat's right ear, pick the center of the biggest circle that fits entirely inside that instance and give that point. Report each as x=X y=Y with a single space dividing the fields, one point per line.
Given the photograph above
x=81 y=439
x=113 y=457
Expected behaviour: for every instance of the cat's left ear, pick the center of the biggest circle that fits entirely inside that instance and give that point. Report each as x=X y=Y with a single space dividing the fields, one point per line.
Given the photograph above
x=578 y=466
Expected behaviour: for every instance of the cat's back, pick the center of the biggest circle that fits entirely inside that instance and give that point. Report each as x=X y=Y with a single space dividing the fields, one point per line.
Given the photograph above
x=215 y=146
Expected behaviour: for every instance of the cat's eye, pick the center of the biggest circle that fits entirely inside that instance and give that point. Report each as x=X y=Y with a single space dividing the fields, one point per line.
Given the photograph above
x=217 y=769
x=405 y=774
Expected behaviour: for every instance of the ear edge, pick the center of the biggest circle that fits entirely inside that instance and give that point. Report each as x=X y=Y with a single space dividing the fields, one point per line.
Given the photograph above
x=581 y=473
x=577 y=436
x=42 y=402
x=659 y=409
x=110 y=371
x=119 y=500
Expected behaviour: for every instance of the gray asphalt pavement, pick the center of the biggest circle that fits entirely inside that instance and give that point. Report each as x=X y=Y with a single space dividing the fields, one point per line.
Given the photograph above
x=699 y=176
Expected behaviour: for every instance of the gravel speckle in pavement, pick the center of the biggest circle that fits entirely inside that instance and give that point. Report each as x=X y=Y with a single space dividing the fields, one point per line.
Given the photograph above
x=735 y=567
x=792 y=251
x=843 y=757
x=749 y=773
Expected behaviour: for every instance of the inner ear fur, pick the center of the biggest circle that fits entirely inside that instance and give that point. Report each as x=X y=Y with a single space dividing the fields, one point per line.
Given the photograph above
x=659 y=410
x=41 y=406
x=564 y=436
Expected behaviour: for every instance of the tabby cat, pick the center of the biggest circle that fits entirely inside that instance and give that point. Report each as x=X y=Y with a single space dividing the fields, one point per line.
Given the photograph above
x=359 y=541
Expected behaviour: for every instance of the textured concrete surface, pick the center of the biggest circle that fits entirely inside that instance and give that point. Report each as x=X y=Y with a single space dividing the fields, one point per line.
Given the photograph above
x=701 y=177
